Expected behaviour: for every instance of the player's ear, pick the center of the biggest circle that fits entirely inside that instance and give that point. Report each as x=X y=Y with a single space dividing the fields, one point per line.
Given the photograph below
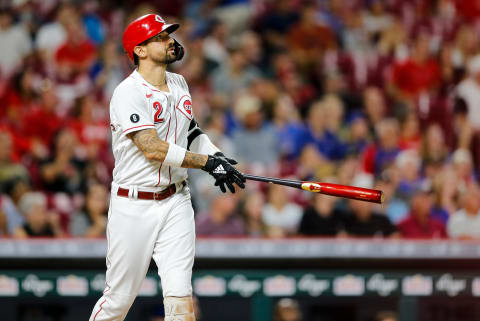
x=140 y=51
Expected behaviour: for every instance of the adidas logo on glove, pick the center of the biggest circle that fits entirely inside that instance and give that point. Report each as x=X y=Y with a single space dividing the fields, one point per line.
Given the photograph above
x=219 y=170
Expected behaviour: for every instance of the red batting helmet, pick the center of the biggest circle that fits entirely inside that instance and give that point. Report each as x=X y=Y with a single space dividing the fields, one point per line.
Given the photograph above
x=144 y=28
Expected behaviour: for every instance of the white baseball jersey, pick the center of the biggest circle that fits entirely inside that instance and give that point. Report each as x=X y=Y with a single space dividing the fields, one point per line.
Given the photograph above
x=137 y=105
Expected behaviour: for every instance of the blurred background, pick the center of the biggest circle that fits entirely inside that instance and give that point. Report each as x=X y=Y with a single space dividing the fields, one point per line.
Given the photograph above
x=372 y=93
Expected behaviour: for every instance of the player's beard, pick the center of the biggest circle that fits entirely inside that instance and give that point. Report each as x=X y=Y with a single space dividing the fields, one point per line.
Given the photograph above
x=167 y=59
x=170 y=58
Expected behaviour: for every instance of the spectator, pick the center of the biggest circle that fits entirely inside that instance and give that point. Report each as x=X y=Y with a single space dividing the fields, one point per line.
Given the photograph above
x=359 y=136
x=321 y=218
x=39 y=221
x=312 y=164
x=374 y=107
x=410 y=137
x=420 y=223
x=214 y=45
x=252 y=214
x=254 y=133
x=465 y=223
x=324 y=120
x=288 y=126
x=408 y=164
x=287 y=310
x=9 y=202
x=91 y=221
x=8 y=168
x=395 y=208
x=308 y=39
x=434 y=148
x=16 y=43
x=77 y=53
x=377 y=19
x=278 y=21
x=222 y=218
x=52 y=35
x=360 y=220
x=63 y=171
x=463 y=166
x=469 y=90
x=235 y=74
x=379 y=156
x=108 y=72
x=419 y=73
x=42 y=123
x=279 y=214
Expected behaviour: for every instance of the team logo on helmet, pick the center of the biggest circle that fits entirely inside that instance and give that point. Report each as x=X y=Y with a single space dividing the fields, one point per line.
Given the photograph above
x=159 y=19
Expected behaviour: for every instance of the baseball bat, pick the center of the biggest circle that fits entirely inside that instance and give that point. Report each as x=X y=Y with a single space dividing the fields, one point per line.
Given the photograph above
x=357 y=193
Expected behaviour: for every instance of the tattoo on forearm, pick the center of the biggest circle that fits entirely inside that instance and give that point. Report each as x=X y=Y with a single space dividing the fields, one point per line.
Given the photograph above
x=148 y=142
x=194 y=160
x=156 y=149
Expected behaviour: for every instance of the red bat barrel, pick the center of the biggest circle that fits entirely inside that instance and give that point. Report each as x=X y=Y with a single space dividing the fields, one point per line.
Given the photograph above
x=358 y=193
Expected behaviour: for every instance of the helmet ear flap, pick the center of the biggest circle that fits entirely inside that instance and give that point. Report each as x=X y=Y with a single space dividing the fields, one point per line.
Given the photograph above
x=179 y=51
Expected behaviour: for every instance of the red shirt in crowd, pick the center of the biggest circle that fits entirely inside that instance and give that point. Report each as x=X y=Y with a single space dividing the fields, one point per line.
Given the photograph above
x=77 y=55
x=412 y=228
x=41 y=124
x=470 y=9
x=412 y=77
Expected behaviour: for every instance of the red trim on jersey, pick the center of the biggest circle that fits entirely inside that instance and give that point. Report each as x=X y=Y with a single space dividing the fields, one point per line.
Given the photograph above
x=166 y=136
x=189 y=117
x=138 y=127
x=176 y=127
x=160 y=91
x=170 y=175
x=99 y=310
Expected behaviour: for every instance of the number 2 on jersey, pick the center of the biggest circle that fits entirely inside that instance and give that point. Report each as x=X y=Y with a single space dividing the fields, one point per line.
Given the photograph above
x=158 y=111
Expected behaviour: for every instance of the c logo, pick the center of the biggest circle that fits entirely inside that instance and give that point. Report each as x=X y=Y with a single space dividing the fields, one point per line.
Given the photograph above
x=187 y=105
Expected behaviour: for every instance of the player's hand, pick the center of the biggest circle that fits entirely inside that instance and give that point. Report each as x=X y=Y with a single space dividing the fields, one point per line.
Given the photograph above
x=221 y=168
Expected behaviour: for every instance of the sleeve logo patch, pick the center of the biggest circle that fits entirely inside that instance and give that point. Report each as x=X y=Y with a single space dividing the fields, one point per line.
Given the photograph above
x=134 y=118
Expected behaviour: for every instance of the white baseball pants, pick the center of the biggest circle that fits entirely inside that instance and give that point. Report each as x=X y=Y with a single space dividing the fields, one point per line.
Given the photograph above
x=138 y=230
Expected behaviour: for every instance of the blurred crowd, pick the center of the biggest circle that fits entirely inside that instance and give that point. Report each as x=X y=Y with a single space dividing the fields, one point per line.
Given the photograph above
x=371 y=93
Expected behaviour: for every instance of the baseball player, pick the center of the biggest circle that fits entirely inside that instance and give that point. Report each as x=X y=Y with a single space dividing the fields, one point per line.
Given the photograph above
x=155 y=138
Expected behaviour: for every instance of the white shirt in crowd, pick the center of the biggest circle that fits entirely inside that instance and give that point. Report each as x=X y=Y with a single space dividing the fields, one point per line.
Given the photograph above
x=16 y=44
x=469 y=90
x=462 y=224
x=287 y=218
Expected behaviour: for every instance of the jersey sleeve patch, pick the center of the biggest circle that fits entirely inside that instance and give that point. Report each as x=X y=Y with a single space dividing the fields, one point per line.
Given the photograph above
x=130 y=108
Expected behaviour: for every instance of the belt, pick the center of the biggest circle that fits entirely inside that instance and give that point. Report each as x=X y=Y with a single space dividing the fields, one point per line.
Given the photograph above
x=156 y=196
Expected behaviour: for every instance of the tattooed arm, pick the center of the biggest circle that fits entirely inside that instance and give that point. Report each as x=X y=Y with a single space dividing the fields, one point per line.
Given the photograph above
x=156 y=149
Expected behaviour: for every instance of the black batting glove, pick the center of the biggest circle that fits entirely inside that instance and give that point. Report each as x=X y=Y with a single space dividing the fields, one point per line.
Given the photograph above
x=220 y=167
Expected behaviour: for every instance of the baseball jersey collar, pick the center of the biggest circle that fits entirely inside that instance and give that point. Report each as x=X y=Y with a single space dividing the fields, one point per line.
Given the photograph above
x=136 y=75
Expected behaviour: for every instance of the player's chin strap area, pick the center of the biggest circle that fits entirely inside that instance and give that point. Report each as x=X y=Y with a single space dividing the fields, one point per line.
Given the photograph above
x=178 y=309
